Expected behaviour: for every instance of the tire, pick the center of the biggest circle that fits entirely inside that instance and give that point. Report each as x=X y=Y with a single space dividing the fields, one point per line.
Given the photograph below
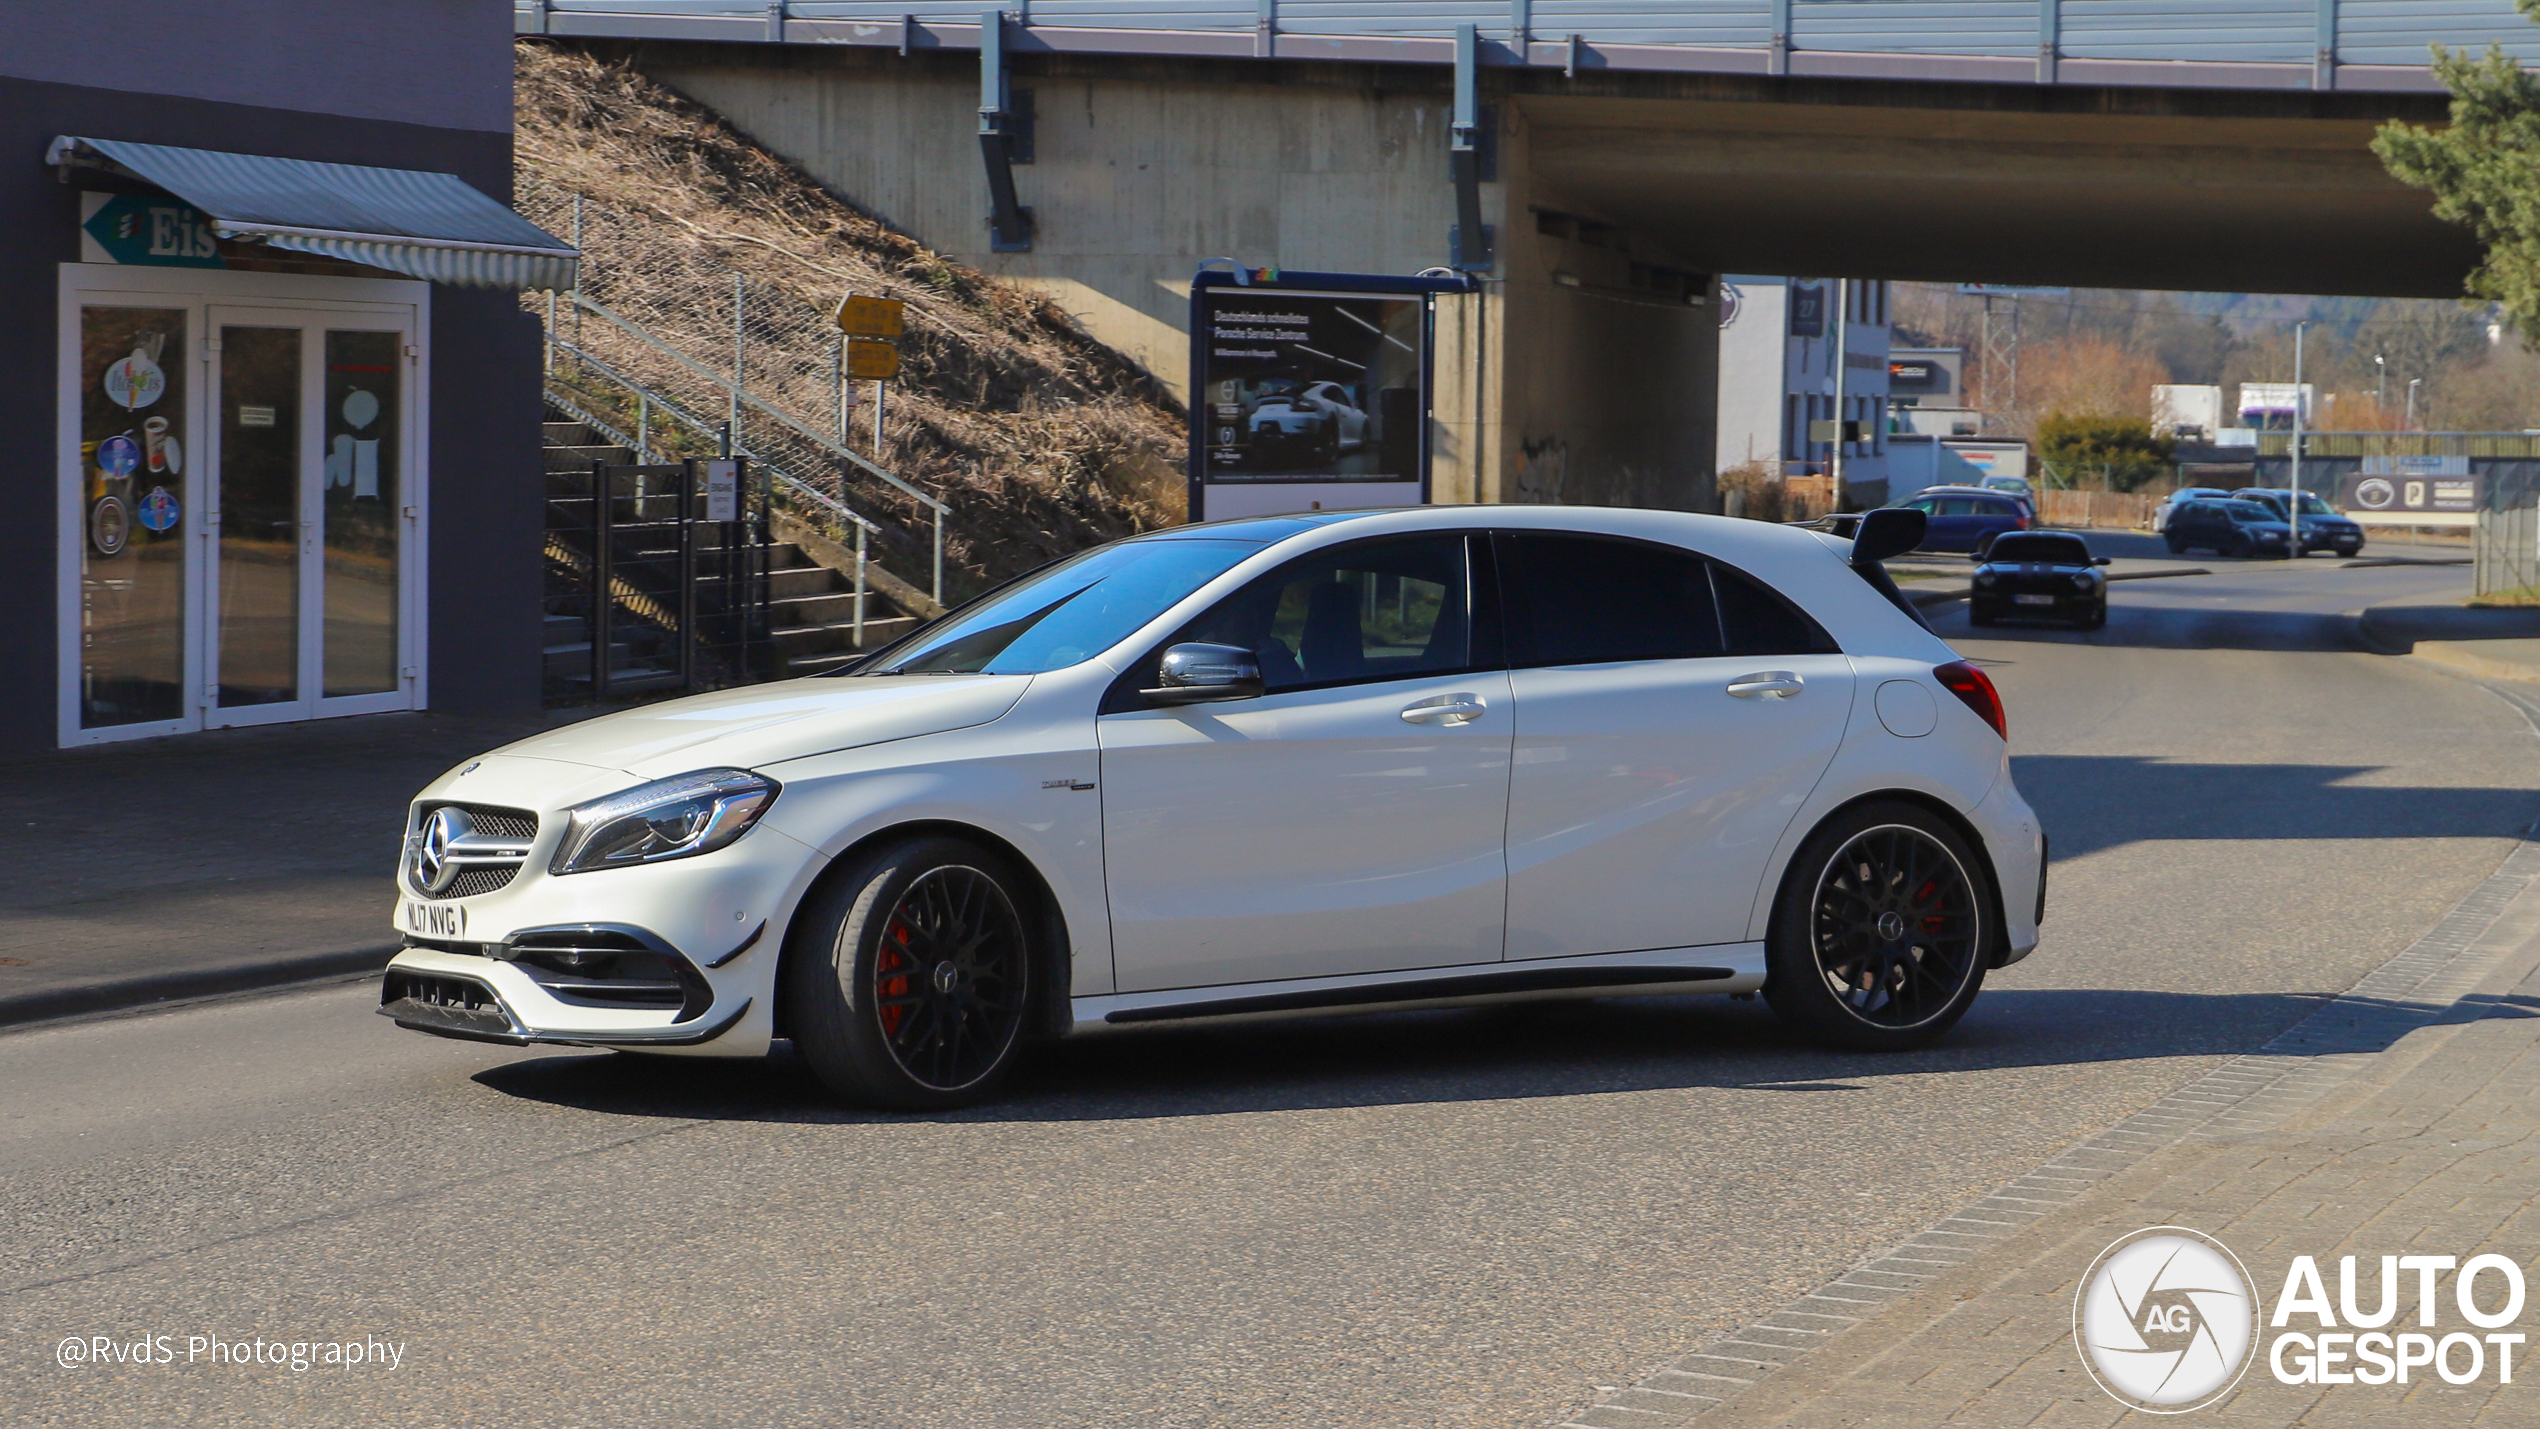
x=2177 y=546
x=1847 y=914
x=910 y=982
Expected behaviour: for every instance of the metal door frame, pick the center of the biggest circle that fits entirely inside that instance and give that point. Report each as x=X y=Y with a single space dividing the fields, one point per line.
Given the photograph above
x=196 y=291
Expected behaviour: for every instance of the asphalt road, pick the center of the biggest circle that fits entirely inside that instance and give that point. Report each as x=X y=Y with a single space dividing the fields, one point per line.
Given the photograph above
x=1433 y=1219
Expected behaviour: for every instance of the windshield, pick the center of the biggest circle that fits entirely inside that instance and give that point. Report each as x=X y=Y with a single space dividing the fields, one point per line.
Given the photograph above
x=1062 y=614
x=2274 y=502
x=2248 y=511
x=2063 y=550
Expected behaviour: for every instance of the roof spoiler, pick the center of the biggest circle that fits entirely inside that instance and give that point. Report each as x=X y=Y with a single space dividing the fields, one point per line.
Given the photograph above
x=1888 y=531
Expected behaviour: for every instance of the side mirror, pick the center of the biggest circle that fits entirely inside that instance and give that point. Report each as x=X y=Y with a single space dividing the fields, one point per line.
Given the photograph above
x=1976 y=556
x=1196 y=674
x=2099 y=560
x=1888 y=531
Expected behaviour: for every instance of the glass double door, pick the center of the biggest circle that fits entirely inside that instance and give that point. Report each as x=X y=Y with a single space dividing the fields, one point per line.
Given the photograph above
x=304 y=609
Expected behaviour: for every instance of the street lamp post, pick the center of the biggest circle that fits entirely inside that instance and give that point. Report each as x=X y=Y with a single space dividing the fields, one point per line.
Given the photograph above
x=2293 y=477
x=2412 y=402
x=2380 y=381
x=1842 y=360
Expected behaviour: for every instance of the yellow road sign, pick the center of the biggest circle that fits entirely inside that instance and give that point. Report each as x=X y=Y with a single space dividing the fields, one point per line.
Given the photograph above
x=872 y=361
x=871 y=317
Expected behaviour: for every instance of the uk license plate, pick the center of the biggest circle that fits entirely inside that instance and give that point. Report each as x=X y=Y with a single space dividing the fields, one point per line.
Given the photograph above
x=435 y=920
x=2033 y=600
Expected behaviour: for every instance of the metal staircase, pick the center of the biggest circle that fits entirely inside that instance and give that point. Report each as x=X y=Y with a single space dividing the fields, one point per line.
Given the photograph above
x=815 y=618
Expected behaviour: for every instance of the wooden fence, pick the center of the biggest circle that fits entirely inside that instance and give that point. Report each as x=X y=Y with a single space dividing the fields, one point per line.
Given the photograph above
x=2105 y=510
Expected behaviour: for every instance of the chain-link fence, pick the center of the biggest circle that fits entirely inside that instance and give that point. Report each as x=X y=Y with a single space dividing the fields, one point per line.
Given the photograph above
x=665 y=346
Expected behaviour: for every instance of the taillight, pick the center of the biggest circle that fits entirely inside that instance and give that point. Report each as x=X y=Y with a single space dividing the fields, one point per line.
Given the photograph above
x=1970 y=684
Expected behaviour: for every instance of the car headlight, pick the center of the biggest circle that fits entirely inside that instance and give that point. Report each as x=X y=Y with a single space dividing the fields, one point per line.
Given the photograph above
x=1984 y=578
x=677 y=817
x=2084 y=580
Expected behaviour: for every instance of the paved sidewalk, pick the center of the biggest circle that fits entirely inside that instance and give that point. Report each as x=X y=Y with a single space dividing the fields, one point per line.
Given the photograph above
x=2487 y=644
x=2404 y=1119
x=214 y=862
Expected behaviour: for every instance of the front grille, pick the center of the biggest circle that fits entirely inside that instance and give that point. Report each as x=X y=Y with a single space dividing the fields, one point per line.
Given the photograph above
x=503 y=823
x=454 y=1006
x=485 y=821
x=477 y=880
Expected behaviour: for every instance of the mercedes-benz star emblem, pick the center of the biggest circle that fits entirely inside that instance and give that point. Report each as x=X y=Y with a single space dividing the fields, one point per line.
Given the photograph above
x=433 y=867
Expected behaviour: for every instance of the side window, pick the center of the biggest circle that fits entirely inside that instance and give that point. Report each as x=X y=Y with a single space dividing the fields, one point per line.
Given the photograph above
x=1759 y=620
x=1378 y=611
x=1581 y=600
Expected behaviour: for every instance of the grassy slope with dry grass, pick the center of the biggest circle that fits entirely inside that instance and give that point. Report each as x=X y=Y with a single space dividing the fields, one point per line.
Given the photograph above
x=1042 y=439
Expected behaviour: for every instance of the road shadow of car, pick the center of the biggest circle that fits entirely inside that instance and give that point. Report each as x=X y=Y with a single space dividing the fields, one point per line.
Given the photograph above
x=2090 y=802
x=1555 y=1049
x=2220 y=627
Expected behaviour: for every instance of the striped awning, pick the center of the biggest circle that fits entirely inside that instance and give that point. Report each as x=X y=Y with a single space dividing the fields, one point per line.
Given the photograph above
x=427 y=225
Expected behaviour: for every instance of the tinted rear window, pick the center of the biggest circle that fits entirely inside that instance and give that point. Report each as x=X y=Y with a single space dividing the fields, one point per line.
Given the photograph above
x=1585 y=601
x=1758 y=620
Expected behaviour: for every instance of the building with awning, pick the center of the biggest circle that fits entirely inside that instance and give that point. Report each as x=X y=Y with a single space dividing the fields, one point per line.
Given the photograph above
x=289 y=406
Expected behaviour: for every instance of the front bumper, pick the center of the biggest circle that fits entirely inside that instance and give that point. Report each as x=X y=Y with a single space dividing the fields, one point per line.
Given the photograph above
x=2068 y=603
x=490 y=999
x=679 y=955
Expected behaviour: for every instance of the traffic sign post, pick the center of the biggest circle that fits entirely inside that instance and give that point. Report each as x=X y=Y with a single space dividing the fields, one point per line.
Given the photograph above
x=885 y=318
x=872 y=327
x=869 y=361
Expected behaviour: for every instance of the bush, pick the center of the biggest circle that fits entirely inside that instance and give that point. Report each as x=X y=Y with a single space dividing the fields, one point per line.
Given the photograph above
x=2081 y=450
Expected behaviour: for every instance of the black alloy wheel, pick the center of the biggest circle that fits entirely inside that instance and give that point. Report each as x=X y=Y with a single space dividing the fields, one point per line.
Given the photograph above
x=912 y=982
x=1883 y=931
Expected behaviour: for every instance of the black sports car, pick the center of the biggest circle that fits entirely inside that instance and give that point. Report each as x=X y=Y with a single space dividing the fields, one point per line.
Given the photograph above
x=2046 y=575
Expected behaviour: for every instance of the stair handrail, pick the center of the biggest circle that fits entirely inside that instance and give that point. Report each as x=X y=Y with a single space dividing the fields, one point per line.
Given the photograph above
x=793 y=483
x=863 y=529
x=741 y=393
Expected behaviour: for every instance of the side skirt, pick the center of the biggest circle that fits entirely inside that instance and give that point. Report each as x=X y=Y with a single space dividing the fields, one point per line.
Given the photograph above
x=1727 y=967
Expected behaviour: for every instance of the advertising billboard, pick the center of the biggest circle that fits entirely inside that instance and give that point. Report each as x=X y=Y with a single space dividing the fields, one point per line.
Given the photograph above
x=2400 y=494
x=1311 y=392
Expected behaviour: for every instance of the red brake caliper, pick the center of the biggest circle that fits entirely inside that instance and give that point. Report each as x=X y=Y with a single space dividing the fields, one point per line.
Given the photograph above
x=890 y=978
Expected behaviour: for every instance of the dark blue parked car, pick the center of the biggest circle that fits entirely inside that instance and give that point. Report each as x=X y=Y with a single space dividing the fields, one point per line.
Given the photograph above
x=1963 y=518
x=2322 y=528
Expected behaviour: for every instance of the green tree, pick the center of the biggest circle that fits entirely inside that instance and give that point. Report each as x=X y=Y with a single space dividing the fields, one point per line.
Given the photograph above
x=2079 y=450
x=2483 y=169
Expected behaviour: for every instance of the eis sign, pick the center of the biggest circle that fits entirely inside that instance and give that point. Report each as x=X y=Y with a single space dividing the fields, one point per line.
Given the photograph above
x=146 y=231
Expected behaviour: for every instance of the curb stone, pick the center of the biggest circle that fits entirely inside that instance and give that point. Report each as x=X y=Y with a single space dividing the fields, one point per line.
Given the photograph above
x=125 y=994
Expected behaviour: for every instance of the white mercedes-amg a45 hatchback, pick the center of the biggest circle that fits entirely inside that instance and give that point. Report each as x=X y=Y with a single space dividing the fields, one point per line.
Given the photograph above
x=1275 y=767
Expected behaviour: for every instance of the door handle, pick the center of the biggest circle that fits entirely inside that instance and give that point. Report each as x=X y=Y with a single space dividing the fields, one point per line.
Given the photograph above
x=1769 y=685
x=1446 y=709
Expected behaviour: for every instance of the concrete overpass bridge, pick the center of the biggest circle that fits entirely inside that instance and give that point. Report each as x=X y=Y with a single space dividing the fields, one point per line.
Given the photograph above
x=1612 y=154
